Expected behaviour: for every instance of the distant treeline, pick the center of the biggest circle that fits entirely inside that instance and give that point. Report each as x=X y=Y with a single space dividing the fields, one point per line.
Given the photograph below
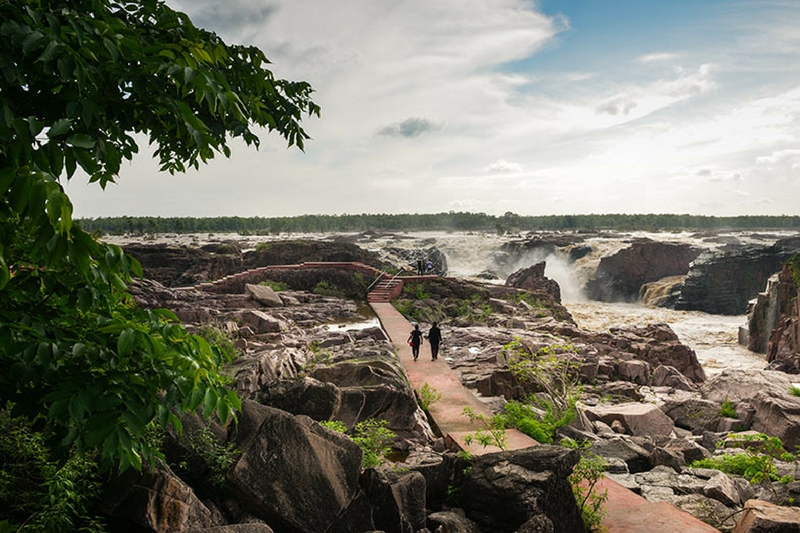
x=451 y=221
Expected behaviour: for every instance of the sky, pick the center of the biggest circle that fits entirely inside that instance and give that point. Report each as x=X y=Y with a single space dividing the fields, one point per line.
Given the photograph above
x=537 y=108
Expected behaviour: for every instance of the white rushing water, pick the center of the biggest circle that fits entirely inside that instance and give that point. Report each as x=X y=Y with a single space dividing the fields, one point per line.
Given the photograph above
x=713 y=337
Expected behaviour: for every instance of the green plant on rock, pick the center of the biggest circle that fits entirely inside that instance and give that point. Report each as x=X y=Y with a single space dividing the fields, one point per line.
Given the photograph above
x=756 y=461
x=276 y=286
x=540 y=424
x=318 y=356
x=373 y=437
x=326 y=288
x=727 y=409
x=217 y=457
x=794 y=390
x=584 y=478
x=427 y=396
x=493 y=432
x=553 y=370
x=334 y=425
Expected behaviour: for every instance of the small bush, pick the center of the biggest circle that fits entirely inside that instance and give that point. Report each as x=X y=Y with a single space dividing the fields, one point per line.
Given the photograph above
x=216 y=457
x=583 y=479
x=427 y=396
x=334 y=425
x=326 y=288
x=373 y=437
x=276 y=286
x=493 y=432
x=727 y=409
x=794 y=390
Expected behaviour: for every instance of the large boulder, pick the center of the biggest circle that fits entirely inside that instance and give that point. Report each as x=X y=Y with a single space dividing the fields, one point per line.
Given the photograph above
x=764 y=517
x=533 y=279
x=695 y=414
x=263 y=294
x=724 y=282
x=778 y=416
x=294 y=473
x=736 y=385
x=765 y=310
x=505 y=490
x=155 y=501
x=638 y=419
x=621 y=276
x=397 y=499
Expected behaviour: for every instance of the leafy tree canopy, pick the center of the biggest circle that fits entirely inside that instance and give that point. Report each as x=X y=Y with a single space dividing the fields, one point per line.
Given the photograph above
x=78 y=80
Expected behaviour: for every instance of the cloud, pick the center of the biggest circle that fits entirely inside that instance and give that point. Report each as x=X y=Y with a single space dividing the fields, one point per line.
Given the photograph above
x=411 y=127
x=662 y=56
x=503 y=166
x=620 y=105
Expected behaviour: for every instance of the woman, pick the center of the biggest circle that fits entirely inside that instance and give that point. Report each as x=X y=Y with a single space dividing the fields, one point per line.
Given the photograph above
x=415 y=340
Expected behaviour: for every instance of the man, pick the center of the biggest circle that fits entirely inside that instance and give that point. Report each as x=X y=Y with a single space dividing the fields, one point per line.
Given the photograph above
x=434 y=338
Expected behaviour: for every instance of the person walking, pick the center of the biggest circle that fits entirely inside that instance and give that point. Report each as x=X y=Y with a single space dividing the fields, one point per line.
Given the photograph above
x=434 y=338
x=415 y=340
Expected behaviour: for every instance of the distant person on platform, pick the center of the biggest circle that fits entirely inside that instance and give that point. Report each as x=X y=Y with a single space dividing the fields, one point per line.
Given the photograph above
x=415 y=341
x=420 y=267
x=429 y=266
x=434 y=338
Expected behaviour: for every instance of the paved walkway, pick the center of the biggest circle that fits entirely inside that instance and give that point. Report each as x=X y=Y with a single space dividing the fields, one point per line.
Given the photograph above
x=626 y=512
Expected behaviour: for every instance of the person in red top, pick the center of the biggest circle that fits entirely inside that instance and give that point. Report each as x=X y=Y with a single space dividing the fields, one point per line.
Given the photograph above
x=415 y=340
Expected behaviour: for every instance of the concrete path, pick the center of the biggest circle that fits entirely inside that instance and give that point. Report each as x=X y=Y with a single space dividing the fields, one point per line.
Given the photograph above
x=626 y=512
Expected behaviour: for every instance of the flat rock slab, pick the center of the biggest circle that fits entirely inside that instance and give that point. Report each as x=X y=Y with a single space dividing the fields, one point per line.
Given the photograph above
x=764 y=517
x=638 y=419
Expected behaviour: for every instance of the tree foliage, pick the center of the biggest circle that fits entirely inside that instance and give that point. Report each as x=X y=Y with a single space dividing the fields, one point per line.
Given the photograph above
x=80 y=82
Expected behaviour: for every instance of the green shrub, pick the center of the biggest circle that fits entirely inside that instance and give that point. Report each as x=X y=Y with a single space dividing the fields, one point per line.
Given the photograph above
x=326 y=288
x=217 y=458
x=276 y=286
x=427 y=396
x=334 y=425
x=727 y=409
x=373 y=437
x=41 y=492
x=756 y=462
x=217 y=337
x=493 y=432
x=583 y=480
x=541 y=428
x=794 y=390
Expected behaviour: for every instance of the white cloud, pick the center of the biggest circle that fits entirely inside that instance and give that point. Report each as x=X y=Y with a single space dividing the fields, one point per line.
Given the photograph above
x=503 y=166
x=657 y=57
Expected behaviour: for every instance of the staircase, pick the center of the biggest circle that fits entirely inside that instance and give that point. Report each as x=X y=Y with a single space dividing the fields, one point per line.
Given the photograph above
x=385 y=290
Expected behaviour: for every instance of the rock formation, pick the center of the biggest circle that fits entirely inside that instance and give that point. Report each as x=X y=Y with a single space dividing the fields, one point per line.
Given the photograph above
x=621 y=276
x=765 y=311
x=723 y=282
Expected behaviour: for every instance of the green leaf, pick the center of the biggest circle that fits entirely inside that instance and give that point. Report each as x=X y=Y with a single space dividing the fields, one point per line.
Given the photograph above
x=127 y=342
x=59 y=127
x=209 y=402
x=81 y=140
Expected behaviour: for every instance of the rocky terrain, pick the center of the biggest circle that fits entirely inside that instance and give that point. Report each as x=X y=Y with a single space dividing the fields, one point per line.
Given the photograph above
x=646 y=408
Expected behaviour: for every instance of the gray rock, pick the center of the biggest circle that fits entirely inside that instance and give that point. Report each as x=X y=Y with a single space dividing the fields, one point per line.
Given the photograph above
x=669 y=376
x=263 y=294
x=778 y=416
x=738 y=385
x=504 y=490
x=723 y=489
x=764 y=517
x=292 y=472
x=397 y=499
x=636 y=457
x=451 y=522
x=156 y=501
x=234 y=528
x=636 y=418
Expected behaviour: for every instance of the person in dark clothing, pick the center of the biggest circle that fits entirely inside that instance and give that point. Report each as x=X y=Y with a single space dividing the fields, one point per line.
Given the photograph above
x=434 y=338
x=415 y=340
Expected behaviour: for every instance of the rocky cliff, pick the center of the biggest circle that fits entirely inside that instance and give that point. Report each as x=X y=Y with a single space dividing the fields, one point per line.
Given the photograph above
x=724 y=282
x=621 y=276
